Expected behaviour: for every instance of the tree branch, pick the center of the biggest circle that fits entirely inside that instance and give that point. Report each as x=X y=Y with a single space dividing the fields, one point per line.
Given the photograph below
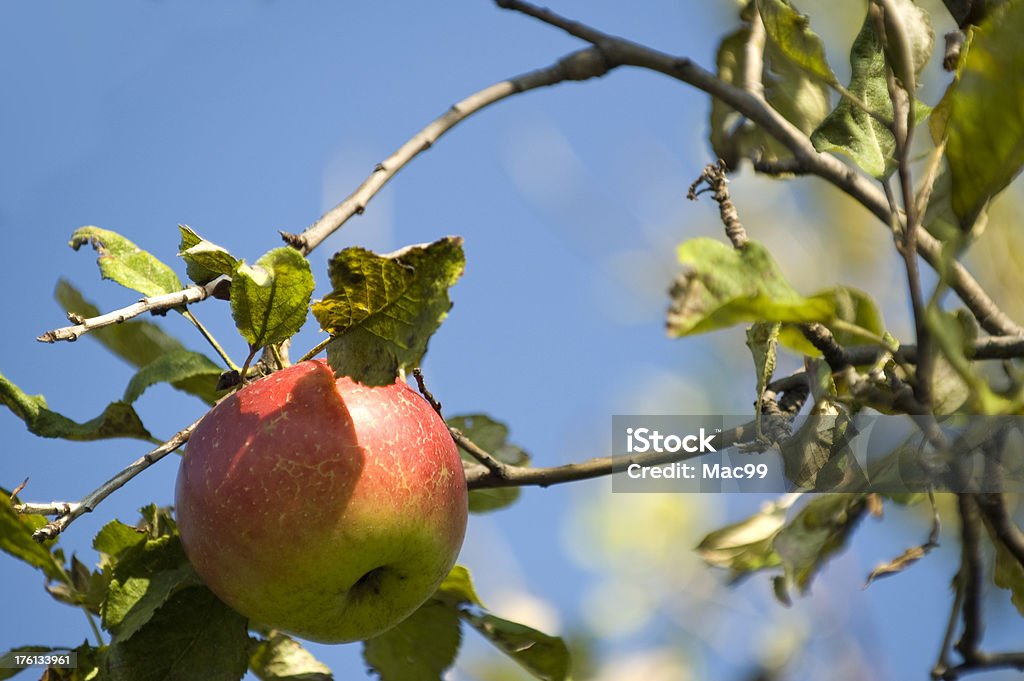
x=579 y=65
x=621 y=52
x=480 y=477
x=67 y=512
x=166 y=301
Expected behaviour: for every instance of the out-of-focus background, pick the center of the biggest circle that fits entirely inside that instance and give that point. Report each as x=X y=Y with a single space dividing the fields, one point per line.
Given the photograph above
x=248 y=117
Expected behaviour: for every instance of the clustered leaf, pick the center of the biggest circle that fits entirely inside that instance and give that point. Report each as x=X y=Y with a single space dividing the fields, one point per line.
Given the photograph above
x=422 y=647
x=204 y=260
x=800 y=546
x=270 y=299
x=383 y=309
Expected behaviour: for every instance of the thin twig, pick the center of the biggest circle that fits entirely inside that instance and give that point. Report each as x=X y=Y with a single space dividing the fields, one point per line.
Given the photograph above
x=497 y=469
x=714 y=175
x=621 y=52
x=166 y=301
x=67 y=512
x=579 y=65
x=971 y=575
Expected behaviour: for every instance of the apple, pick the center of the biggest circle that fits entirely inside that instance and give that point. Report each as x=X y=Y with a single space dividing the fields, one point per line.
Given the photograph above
x=322 y=507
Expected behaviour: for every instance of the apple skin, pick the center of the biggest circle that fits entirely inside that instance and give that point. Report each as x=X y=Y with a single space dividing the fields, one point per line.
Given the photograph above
x=320 y=507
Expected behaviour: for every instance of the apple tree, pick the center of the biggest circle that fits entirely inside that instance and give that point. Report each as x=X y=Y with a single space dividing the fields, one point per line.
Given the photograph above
x=215 y=588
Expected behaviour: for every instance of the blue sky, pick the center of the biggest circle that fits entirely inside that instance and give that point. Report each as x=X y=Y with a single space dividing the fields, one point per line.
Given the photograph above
x=244 y=118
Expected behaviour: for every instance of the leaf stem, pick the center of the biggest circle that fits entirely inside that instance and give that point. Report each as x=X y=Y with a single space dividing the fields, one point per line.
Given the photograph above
x=210 y=339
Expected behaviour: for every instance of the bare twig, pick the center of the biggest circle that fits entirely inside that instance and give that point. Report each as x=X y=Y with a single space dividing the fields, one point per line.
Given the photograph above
x=715 y=178
x=971 y=576
x=427 y=395
x=621 y=52
x=166 y=301
x=67 y=512
x=495 y=468
x=579 y=65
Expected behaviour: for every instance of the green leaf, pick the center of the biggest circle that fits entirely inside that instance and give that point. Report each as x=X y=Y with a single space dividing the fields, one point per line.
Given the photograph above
x=117 y=420
x=420 y=648
x=849 y=305
x=818 y=531
x=745 y=546
x=851 y=131
x=184 y=369
x=114 y=539
x=492 y=436
x=821 y=440
x=1008 y=574
x=790 y=31
x=907 y=57
x=122 y=261
x=982 y=114
x=144 y=577
x=802 y=99
x=457 y=588
x=135 y=341
x=192 y=636
x=763 y=341
x=16 y=539
x=270 y=300
x=545 y=657
x=204 y=260
x=384 y=308
x=282 y=658
x=722 y=286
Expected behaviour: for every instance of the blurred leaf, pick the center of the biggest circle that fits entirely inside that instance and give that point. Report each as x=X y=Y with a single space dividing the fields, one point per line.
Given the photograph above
x=144 y=577
x=135 y=341
x=800 y=98
x=849 y=305
x=282 y=658
x=545 y=657
x=820 y=439
x=1008 y=574
x=270 y=300
x=763 y=341
x=745 y=546
x=16 y=539
x=183 y=369
x=790 y=31
x=122 y=261
x=818 y=531
x=420 y=648
x=457 y=588
x=915 y=25
x=898 y=564
x=383 y=309
x=204 y=260
x=491 y=436
x=722 y=286
x=851 y=131
x=982 y=114
x=192 y=636
x=86 y=589
x=117 y=420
